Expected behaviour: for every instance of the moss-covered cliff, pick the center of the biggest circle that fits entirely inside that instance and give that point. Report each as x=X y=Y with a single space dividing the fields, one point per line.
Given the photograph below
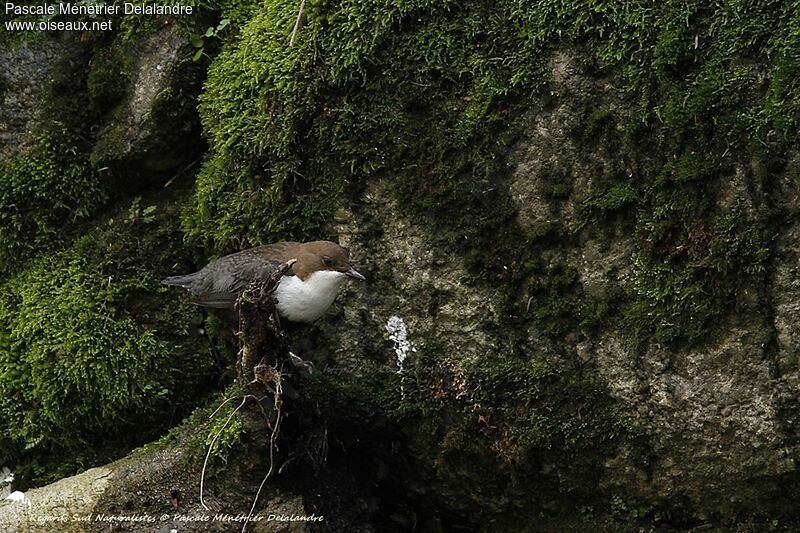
x=583 y=215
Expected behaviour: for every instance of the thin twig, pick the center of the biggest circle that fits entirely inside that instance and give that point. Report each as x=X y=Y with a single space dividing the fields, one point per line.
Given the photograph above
x=297 y=22
x=211 y=447
x=212 y=415
x=180 y=171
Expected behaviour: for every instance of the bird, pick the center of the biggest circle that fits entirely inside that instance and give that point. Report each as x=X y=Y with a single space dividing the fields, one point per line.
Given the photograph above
x=303 y=293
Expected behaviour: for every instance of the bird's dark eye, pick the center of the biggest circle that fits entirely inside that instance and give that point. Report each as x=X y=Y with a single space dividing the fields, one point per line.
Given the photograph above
x=327 y=261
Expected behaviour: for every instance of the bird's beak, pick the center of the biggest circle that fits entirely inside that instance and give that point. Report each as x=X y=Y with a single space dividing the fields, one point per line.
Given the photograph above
x=353 y=274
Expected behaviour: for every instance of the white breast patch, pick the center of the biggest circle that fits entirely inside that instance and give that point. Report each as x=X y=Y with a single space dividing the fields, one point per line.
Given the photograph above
x=306 y=301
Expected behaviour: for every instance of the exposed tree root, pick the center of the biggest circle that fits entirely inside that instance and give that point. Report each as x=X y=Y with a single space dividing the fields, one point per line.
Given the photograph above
x=261 y=339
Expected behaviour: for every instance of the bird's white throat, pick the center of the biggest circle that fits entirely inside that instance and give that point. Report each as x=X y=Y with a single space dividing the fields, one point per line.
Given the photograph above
x=306 y=301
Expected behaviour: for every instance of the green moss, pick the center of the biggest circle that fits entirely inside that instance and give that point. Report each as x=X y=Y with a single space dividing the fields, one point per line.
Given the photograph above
x=598 y=121
x=310 y=127
x=252 y=195
x=93 y=348
x=680 y=295
x=11 y=39
x=48 y=185
x=222 y=432
x=108 y=146
x=612 y=200
x=41 y=189
x=520 y=408
x=558 y=191
x=627 y=511
x=109 y=75
x=542 y=230
x=554 y=297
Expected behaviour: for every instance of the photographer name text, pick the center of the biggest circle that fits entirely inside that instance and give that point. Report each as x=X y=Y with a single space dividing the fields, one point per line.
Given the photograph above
x=66 y=8
x=46 y=12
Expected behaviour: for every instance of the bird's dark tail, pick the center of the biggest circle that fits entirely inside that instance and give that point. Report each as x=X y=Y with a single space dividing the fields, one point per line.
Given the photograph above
x=180 y=281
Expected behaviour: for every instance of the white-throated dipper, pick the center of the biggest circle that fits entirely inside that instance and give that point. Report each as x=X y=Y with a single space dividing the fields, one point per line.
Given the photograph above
x=303 y=294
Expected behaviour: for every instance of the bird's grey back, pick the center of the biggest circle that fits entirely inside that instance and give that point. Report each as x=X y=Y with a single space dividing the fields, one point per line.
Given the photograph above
x=220 y=282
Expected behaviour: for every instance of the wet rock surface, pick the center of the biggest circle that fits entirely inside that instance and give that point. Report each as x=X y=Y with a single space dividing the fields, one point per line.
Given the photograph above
x=27 y=73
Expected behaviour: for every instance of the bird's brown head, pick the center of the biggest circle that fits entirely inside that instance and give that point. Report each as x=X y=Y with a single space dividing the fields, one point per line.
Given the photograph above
x=323 y=255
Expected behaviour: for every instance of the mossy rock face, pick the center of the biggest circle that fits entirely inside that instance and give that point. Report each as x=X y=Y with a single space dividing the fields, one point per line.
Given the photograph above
x=89 y=122
x=44 y=187
x=109 y=75
x=572 y=208
x=150 y=133
x=623 y=252
x=28 y=71
x=47 y=182
x=93 y=348
x=96 y=357
x=291 y=127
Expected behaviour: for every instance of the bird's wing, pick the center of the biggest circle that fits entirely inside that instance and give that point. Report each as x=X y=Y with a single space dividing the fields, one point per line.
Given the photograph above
x=221 y=281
